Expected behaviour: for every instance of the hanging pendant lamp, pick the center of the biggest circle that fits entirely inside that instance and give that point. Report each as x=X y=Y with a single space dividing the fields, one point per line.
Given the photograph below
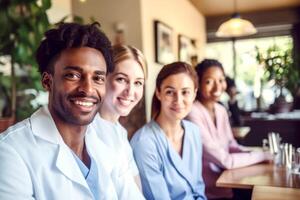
x=236 y=26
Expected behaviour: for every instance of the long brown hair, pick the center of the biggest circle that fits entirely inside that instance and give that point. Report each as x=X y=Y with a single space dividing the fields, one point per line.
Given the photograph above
x=165 y=72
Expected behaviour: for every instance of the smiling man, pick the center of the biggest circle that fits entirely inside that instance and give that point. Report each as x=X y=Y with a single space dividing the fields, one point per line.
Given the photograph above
x=55 y=154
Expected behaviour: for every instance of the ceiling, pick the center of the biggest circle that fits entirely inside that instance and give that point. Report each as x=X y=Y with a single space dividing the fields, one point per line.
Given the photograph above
x=221 y=7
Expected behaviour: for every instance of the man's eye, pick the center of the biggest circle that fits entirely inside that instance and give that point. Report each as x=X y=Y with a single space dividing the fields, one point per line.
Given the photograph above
x=100 y=79
x=72 y=76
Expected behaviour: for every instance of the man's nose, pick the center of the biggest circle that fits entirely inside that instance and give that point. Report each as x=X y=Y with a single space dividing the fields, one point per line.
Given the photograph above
x=86 y=86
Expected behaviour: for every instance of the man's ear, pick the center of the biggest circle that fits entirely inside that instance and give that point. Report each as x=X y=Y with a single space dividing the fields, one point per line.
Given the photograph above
x=47 y=81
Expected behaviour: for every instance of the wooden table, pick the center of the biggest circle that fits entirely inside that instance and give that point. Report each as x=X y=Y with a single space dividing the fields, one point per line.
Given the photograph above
x=275 y=193
x=258 y=175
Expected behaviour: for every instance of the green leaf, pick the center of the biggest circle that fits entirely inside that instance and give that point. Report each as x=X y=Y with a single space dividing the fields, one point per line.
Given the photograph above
x=24 y=23
x=46 y=4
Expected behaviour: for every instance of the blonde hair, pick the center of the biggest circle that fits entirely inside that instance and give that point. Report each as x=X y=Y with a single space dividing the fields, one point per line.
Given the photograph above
x=124 y=52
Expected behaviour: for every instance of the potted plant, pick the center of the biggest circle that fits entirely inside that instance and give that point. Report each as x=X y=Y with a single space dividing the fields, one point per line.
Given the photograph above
x=23 y=24
x=279 y=66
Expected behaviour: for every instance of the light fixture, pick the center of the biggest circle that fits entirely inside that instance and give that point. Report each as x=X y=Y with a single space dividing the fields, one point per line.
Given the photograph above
x=236 y=26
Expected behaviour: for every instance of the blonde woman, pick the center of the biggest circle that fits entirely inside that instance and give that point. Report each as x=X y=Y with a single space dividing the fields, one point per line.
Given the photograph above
x=124 y=89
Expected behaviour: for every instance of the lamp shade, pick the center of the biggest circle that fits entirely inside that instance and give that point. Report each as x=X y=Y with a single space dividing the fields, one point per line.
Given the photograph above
x=236 y=27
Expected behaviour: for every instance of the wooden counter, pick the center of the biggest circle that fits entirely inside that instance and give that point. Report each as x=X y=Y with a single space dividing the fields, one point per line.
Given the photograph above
x=287 y=128
x=258 y=175
x=275 y=193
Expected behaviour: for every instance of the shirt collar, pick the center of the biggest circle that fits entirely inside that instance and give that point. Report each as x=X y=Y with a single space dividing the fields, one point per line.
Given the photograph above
x=43 y=126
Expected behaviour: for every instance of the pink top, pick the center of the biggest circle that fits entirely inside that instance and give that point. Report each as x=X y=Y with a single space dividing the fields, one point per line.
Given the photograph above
x=220 y=149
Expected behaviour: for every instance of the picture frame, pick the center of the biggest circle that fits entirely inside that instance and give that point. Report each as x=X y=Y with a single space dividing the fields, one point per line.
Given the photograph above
x=163 y=43
x=187 y=49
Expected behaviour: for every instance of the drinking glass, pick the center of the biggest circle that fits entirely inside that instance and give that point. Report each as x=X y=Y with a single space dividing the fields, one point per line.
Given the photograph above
x=296 y=161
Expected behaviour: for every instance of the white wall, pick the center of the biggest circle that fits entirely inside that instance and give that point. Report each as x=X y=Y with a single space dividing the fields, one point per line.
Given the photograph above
x=110 y=12
x=58 y=10
x=183 y=18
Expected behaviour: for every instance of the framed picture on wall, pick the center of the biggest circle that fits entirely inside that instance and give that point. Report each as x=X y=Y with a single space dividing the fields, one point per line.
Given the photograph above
x=187 y=50
x=163 y=43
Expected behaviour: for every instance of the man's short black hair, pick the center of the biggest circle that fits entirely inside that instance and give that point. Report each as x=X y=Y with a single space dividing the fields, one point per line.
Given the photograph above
x=72 y=35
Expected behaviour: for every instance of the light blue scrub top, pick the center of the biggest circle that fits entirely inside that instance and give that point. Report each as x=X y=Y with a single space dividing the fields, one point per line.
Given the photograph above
x=164 y=173
x=90 y=175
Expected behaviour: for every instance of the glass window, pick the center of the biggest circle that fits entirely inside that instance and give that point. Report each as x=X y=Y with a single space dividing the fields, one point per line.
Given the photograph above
x=248 y=71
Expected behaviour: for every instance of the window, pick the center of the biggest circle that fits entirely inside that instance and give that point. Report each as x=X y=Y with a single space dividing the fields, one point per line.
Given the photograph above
x=248 y=72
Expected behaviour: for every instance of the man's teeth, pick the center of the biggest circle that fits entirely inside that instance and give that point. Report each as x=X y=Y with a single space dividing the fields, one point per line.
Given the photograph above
x=84 y=103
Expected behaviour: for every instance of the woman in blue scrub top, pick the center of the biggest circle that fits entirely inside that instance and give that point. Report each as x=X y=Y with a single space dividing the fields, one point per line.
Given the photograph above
x=168 y=148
